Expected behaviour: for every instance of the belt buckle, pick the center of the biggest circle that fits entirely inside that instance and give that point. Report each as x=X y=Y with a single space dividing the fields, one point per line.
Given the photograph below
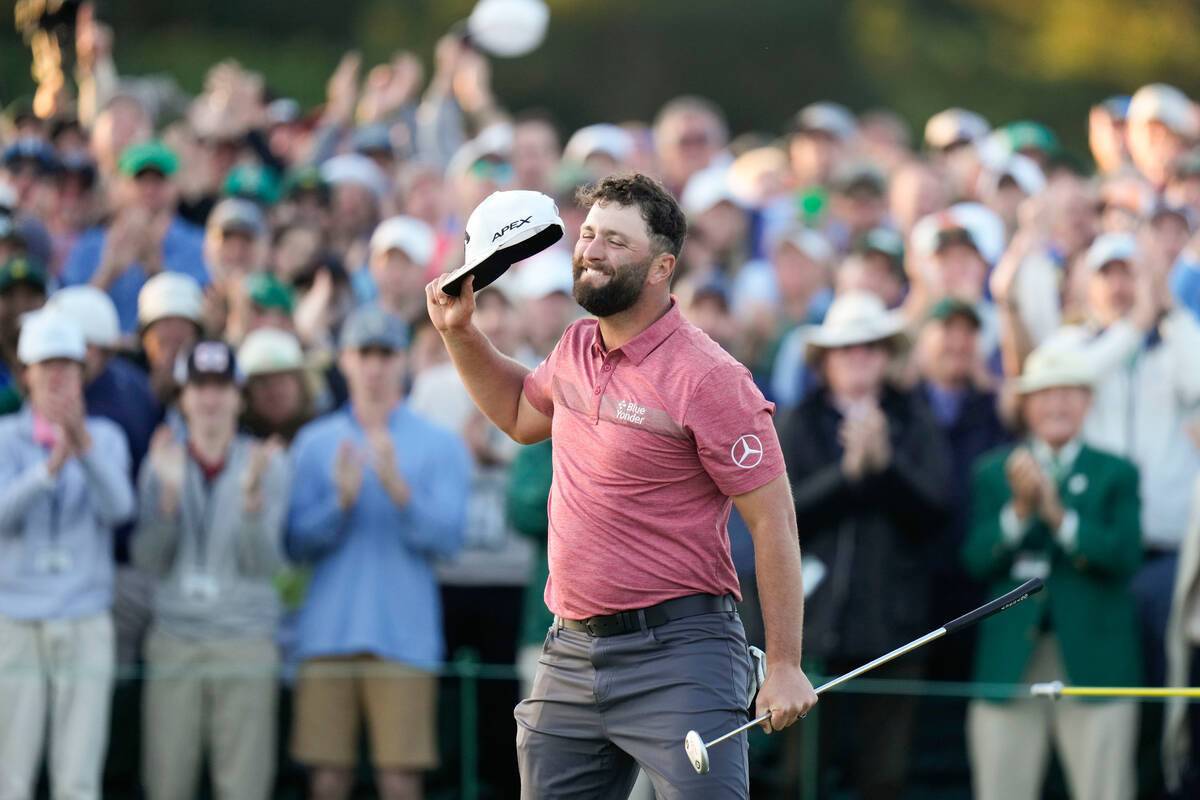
x=592 y=627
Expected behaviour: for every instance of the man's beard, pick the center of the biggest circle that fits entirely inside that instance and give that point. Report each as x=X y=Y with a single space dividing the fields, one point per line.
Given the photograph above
x=622 y=291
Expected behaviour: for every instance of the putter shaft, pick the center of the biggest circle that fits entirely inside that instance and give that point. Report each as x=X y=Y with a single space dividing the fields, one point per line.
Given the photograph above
x=1058 y=690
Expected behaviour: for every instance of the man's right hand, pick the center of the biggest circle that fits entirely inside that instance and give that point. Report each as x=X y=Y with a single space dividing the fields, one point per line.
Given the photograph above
x=348 y=474
x=450 y=314
x=1025 y=479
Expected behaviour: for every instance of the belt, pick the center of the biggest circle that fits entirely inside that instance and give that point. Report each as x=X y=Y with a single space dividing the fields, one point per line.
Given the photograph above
x=651 y=617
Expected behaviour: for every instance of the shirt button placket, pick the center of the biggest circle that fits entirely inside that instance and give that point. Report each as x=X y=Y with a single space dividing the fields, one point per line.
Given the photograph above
x=602 y=384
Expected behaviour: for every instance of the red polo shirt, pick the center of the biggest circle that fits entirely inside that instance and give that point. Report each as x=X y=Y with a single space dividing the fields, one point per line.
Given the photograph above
x=651 y=440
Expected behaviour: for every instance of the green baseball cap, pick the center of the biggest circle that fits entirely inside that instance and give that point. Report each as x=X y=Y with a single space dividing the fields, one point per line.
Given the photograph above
x=155 y=155
x=1026 y=135
x=952 y=306
x=22 y=269
x=253 y=182
x=267 y=292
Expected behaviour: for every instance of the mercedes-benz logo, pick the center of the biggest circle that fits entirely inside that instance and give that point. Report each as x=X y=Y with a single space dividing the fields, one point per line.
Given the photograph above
x=747 y=451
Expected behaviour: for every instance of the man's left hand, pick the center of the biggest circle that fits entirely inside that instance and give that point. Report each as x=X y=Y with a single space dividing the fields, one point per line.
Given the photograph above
x=786 y=693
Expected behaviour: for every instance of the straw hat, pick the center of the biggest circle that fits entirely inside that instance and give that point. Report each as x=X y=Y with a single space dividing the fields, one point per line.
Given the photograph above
x=1054 y=364
x=855 y=318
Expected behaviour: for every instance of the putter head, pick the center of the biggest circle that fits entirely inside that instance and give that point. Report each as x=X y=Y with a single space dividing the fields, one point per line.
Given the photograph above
x=697 y=753
x=1051 y=689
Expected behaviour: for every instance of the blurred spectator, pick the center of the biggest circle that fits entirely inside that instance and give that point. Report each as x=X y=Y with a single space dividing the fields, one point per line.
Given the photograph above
x=600 y=150
x=145 y=236
x=22 y=289
x=949 y=365
x=1146 y=392
x=29 y=166
x=65 y=486
x=869 y=475
x=267 y=303
x=1161 y=123
x=689 y=131
x=279 y=392
x=401 y=249
x=1106 y=133
x=821 y=132
x=1005 y=185
x=122 y=123
x=544 y=289
x=305 y=200
x=1057 y=509
x=236 y=246
x=210 y=535
x=954 y=136
x=858 y=203
x=76 y=205
x=170 y=308
x=379 y=494
x=917 y=190
x=536 y=153
x=357 y=191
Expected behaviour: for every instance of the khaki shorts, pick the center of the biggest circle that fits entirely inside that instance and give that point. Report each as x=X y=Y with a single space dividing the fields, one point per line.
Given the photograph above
x=399 y=703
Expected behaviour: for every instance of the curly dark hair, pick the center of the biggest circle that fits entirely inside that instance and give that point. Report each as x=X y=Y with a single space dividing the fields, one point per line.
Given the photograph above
x=660 y=211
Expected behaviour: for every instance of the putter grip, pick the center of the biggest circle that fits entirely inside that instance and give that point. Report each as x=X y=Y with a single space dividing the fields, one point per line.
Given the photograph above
x=995 y=606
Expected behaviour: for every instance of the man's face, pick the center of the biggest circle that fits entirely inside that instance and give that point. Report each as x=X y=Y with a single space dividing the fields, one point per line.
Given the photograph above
x=354 y=208
x=1111 y=291
x=1106 y=138
x=210 y=403
x=53 y=380
x=236 y=252
x=1171 y=232
x=962 y=271
x=153 y=191
x=276 y=397
x=544 y=319
x=797 y=275
x=950 y=349
x=165 y=339
x=686 y=143
x=373 y=374
x=396 y=275
x=27 y=177
x=1056 y=415
x=916 y=191
x=612 y=259
x=856 y=371
x=814 y=154
x=1153 y=147
x=535 y=154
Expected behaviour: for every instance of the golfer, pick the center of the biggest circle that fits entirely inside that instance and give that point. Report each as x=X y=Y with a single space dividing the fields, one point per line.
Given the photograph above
x=656 y=431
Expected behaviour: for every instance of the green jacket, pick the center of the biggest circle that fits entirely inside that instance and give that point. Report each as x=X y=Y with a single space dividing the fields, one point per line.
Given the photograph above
x=1087 y=599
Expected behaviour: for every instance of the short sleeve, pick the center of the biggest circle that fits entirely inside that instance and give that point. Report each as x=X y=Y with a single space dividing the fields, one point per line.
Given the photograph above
x=538 y=384
x=731 y=423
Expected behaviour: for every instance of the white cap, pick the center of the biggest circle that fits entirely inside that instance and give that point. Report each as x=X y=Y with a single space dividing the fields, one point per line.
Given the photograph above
x=1022 y=169
x=355 y=168
x=48 y=334
x=170 y=294
x=544 y=274
x=705 y=189
x=1058 y=362
x=508 y=27
x=985 y=229
x=828 y=117
x=604 y=137
x=505 y=228
x=955 y=125
x=855 y=318
x=268 y=350
x=812 y=243
x=1166 y=104
x=93 y=311
x=1110 y=247
x=494 y=140
x=409 y=234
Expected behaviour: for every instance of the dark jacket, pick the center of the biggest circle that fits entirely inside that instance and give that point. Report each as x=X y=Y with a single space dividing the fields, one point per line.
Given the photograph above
x=871 y=536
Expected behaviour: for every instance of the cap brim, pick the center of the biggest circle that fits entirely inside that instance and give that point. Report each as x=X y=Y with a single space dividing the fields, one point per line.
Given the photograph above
x=496 y=264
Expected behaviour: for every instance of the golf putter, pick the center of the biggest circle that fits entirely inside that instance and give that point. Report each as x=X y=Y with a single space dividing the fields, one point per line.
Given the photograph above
x=697 y=749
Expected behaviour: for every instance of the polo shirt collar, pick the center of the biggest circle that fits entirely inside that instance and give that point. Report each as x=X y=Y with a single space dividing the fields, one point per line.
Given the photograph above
x=645 y=343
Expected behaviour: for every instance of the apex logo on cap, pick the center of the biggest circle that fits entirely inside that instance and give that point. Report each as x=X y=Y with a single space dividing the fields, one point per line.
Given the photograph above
x=512 y=226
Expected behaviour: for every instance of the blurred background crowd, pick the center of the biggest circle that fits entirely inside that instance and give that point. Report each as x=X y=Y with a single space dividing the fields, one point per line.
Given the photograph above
x=238 y=467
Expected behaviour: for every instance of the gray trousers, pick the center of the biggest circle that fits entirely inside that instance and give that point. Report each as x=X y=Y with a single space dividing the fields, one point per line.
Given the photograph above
x=602 y=707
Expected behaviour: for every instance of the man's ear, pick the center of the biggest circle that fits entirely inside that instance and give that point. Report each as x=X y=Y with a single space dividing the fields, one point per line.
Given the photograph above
x=661 y=269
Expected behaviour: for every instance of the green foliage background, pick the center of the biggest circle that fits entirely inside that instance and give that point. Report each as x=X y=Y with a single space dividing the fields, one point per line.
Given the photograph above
x=759 y=59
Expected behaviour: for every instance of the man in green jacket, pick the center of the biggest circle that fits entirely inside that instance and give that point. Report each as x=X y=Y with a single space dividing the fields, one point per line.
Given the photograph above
x=1056 y=509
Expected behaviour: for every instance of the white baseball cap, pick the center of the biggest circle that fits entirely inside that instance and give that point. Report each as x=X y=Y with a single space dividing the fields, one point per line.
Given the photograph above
x=1166 y=104
x=409 y=234
x=706 y=189
x=170 y=294
x=1058 y=362
x=1110 y=247
x=268 y=350
x=47 y=334
x=92 y=310
x=1022 y=169
x=355 y=168
x=606 y=138
x=982 y=226
x=544 y=274
x=508 y=27
x=955 y=125
x=505 y=228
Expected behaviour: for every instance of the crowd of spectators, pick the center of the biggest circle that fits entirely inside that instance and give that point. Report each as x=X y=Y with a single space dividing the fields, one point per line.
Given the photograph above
x=232 y=442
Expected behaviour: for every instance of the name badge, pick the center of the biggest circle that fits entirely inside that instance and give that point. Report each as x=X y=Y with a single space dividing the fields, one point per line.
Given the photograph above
x=200 y=587
x=1027 y=566
x=53 y=561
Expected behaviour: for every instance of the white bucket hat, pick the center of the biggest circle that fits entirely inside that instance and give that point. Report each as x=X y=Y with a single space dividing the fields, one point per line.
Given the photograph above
x=92 y=310
x=170 y=294
x=409 y=234
x=1055 y=364
x=505 y=228
x=855 y=318
x=48 y=334
x=269 y=350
